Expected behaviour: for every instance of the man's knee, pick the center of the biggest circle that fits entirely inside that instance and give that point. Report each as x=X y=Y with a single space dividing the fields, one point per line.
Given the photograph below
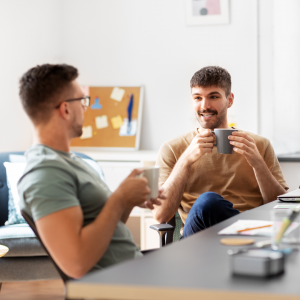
x=207 y=201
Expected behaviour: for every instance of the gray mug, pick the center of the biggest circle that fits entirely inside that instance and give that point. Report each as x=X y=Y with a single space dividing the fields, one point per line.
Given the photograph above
x=222 y=141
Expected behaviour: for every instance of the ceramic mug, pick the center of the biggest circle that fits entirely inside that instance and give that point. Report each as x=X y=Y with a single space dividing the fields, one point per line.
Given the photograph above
x=222 y=141
x=152 y=175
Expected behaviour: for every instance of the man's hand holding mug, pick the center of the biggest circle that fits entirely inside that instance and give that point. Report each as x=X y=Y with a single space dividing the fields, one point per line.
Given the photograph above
x=202 y=143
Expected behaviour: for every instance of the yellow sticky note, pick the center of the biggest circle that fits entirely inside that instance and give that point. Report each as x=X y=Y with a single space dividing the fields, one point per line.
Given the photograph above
x=117 y=94
x=101 y=122
x=117 y=122
x=87 y=132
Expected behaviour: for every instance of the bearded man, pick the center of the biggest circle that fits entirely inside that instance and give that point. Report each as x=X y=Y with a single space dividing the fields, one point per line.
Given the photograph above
x=207 y=187
x=81 y=222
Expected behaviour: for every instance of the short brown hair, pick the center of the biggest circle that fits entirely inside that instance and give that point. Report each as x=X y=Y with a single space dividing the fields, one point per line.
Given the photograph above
x=212 y=76
x=40 y=86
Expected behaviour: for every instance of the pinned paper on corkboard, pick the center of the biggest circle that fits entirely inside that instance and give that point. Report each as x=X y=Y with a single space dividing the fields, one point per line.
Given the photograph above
x=105 y=124
x=128 y=129
x=87 y=132
x=117 y=94
x=117 y=122
x=101 y=122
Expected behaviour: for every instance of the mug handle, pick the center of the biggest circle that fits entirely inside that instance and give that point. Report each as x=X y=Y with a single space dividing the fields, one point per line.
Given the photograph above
x=215 y=137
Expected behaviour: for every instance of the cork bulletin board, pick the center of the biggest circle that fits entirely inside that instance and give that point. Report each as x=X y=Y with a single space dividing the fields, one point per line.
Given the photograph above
x=105 y=124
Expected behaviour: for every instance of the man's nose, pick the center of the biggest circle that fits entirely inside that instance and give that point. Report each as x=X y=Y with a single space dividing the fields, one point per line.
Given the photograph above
x=205 y=104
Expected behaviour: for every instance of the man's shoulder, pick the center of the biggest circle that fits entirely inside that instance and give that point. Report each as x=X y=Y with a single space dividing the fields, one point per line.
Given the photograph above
x=45 y=164
x=179 y=144
x=43 y=156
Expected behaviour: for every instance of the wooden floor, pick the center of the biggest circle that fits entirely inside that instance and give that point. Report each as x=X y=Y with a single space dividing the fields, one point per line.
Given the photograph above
x=33 y=290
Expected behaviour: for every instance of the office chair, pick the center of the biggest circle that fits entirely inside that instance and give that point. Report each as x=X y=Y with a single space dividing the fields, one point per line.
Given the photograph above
x=63 y=276
x=169 y=232
x=31 y=223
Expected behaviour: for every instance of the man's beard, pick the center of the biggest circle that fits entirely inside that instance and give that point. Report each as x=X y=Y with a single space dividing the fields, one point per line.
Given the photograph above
x=219 y=120
x=76 y=128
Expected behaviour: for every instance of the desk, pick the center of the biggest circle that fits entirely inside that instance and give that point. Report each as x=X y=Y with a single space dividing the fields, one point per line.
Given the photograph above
x=194 y=268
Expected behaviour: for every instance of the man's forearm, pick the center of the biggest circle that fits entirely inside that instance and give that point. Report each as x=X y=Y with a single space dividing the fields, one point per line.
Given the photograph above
x=270 y=188
x=126 y=215
x=173 y=190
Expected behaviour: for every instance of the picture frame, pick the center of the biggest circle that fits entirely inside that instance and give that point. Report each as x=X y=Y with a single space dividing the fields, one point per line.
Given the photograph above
x=207 y=12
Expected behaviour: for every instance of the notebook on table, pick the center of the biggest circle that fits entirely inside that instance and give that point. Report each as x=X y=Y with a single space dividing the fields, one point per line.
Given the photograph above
x=293 y=196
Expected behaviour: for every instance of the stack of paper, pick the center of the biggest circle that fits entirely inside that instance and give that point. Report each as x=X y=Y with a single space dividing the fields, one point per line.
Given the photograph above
x=247 y=224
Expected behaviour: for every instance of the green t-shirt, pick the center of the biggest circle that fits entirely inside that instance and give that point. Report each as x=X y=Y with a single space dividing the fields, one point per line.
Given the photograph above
x=54 y=180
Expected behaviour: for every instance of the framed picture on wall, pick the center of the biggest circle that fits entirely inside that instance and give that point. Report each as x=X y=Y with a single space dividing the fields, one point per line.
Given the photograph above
x=205 y=12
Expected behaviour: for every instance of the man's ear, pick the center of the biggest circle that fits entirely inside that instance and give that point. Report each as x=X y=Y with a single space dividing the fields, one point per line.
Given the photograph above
x=64 y=111
x=230 y=100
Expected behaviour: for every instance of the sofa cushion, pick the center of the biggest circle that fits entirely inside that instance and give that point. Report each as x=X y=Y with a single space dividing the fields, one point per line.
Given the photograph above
x=27 y=268
x=21 y=241
x=14 y=171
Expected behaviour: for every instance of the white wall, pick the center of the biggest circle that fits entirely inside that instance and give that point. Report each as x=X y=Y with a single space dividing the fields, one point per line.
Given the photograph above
x=30 y=34
x=286 y=75
x=136 y=42
x=266 y=69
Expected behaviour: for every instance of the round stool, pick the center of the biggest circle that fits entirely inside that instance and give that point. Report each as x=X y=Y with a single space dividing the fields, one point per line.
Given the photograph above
x=3 y=250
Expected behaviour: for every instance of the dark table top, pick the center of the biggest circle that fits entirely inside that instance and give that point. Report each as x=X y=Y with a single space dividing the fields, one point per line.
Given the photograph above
x=198 y=264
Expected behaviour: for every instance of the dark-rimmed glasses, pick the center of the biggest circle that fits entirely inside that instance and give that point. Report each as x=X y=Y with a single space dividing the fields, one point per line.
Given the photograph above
x=85 y=101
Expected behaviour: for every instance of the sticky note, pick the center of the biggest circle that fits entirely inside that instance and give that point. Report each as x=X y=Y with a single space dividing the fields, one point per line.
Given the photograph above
x=117 y=122
x=101 y=122
x=117 y=94
x=126 y=130
x=85 y=90
x=87 y=132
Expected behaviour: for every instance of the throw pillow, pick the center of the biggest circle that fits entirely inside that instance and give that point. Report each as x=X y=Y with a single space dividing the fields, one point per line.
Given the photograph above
x=14 y=172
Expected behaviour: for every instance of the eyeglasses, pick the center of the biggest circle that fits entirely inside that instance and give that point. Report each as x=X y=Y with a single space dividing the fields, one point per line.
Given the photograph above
x=85 y=101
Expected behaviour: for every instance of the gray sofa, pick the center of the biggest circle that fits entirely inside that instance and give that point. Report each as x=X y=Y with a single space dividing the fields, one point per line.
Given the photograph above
x=26 y=259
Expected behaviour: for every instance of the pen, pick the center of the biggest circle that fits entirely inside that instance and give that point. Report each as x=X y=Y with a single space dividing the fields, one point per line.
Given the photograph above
x=246 y=229
x=129 y=112
x=286 y=222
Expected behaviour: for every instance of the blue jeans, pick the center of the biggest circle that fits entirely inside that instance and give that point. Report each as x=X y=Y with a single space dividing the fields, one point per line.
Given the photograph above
x=209 y=209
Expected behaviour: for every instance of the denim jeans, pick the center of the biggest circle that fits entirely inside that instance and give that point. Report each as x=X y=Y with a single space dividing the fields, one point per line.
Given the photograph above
x=209 y=209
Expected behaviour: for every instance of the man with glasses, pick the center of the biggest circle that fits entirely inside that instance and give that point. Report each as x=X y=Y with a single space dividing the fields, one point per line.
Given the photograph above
x=80 y=221
x=85 y=101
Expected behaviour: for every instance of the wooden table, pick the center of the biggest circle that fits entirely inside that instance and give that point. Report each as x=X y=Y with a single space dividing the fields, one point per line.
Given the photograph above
x=194 y=268
x=3 y=250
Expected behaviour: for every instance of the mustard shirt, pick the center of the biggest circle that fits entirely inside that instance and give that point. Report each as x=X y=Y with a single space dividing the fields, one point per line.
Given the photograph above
x=229 y=175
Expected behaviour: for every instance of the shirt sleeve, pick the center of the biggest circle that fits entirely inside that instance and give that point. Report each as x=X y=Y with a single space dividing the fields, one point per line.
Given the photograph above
x=46 y=190
x=274 y=166
x=166 y=160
